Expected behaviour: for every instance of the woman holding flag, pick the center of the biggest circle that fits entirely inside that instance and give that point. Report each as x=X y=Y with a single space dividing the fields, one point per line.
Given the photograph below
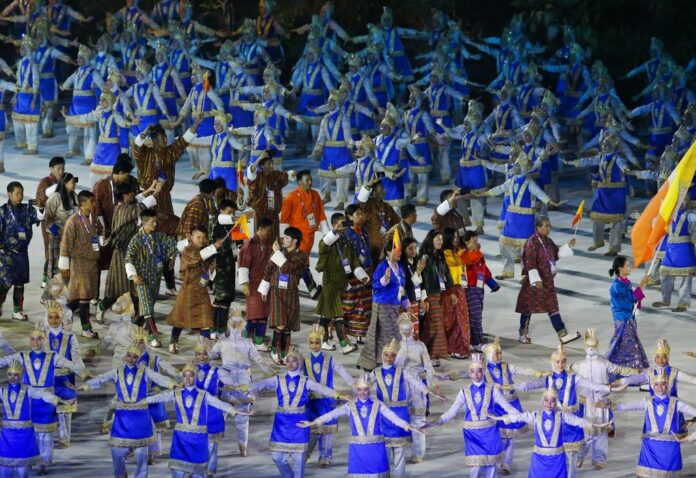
x=388 y=299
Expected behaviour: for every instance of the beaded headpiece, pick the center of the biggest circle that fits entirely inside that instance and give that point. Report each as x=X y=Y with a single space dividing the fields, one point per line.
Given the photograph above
x=660 y=376
x=488 y=349
x=392 y=347
x=662 y=347
x=355 y=60
x=143 y=67
x=222 y=117
x=16 y=367
x=236 y=319
x=248 y=26
x=366 y=143
x=591 y=339
x=560 y=353
x=37 y=332
x=404 y=323
x=293 y=351
x=317 y=333
x=476 y=362
x=189 y=367
x=551 y=391
x=53 y=307
x=363 y=381
x=204 y=344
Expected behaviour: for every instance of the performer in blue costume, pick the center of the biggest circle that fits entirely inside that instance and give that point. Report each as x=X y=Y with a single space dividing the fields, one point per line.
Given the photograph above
x=367 y=453
x=288 y=442
x=26 y=111
x=664 y=119
x=419 y=126
x=188 y=455
x=165 y=77
x=133 y=429
x=388 y=145
x=322 y=368
x=222 y=149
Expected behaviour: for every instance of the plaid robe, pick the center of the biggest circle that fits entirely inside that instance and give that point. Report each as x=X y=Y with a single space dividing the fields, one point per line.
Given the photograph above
x=334 y=280
x=76 y=244
x=530 y=299
x=193 y=309
x=41 y=198
x=254 y=256
x=195 y=215
x=223 y=283
x=379 y=216
x=150 y=163
x=124 y=227
x=452 y=220
x=14 y=258
x=145 y=264
x=285 y=303
x=258 y=197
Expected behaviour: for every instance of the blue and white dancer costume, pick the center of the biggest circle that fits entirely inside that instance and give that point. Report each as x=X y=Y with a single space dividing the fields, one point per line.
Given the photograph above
x=165 y=77
x=27 y=106
x=5 y=86
x=389 y=144
x=222 y=149
x=663 y=120
x=419 y=126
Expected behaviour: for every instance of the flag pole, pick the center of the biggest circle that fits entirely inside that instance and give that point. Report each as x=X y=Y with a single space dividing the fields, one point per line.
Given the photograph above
x=651 y=268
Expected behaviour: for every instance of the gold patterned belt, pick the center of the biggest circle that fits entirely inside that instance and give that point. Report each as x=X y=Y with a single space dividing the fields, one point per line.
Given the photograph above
x=366 y=440
x=335 y=144
x=141 y=112
x=469 y=164
x=191 y=428
x=660 y=130
x=83 y=93
x=654 y=436
x=291 y=409
x=47 y=76
x=570 y=409
x=141 y=405
x=108 y=140
x=17 y=424
x=478 y=425
x=548 y=451
x=520 y=210
x=396 y=403
x=439 y=113
x=612 y=185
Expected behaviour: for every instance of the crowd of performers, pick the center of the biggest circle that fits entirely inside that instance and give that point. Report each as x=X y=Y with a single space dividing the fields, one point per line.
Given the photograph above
x=157 y=87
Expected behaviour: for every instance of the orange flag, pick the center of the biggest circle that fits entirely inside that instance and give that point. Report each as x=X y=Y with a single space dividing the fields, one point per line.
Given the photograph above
x=578 y=214
x=240 y=230
x=396 y=241
x=658 y=215
x=240 y=174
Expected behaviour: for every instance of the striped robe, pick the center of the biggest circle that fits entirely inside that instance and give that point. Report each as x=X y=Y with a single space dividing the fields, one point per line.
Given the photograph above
x=124 y=226
x=76 y=244
x=285 y=303
x=145 y=264
x=193 y=309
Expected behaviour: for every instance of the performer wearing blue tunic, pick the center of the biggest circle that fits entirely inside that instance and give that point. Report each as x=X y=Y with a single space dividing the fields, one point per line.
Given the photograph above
x=367 y=453
x=16 y=222
x=188 y=455
x=148 y=105
x=18 y=443
x=165 y=77
x=663 y=120
x=287 y=441
x=222 y=149
x=506 y=120
x=39 y=372
x=609 y=203
x=393 y=46
x=84 y=82
x=366 y=165
x=333 y=147
x=660 y=452
x=548 y=458
x=362 y=94
x=483 y=447
x=180 y=54
x=132 y=427
x=389 y=144
x=321 y=368
x=223 y=70
x=419 y=126
x=679 y=259
x=27 y=105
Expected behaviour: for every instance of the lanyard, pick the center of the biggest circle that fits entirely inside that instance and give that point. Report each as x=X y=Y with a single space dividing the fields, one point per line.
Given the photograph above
x=14 y=218
x=150 y=247
x=544 y=248
x=113 y=195
x=86 y=224
x=304 y=210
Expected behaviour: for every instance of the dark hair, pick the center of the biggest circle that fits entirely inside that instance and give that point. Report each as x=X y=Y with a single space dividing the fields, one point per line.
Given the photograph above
x=407 y=241
x=14 y=185
x=540 y=220
x=67 y=199
x=207 y=186
x=468 y=235
x=220 y=183
x=263 y=159
x=264 y=222
x=122 y=190
x=84 y=196
x=619 y=262
x=427 y=246
x=448 y=235
x=202 y=229
x=55 y=161
x=148 y=213
x=225 y=203
x=350 y=209
x=122 y=167
x=303 y=173
x=157 y=130
x=294 y=233
x=336 y=216
x=407 y=210
x=445 y=194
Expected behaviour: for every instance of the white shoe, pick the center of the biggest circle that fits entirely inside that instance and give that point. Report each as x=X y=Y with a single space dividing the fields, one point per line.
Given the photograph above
x=171 y=292
x=155 y=344
x=349 y=348
x=327 y=346
x=213 y=336
x=478 y=348
x=43 y=284
x=276 y=359
x=568 y=338
x=90 y=334
x=93 y=302
x=262 y=347
x=20 y=316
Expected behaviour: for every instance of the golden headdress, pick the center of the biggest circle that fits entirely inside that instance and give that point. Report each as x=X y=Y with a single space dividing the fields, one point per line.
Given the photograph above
x=42 y=27
x=333 y=96
x=387 y=13
x=37 y=332
x=591 y=339
x=190 y=367
x=366 y=143
x=317 y=333
x=108 y=96
x=662 y=347
x=143 y=67
x=222 y=116
x=28 y=42
x=123 y=305
x=659 y=376
x=612 y=141
x=139 y=335
x=270 y=72
x=392 y=347
x=355 y=60
x=53 y=307
x=388 y=121
x=293 y=351
x=405 y=323
x=549 y=99
x=438 y=69
x=261 y=112
x=551 y=391
x=363 y=381
x=506 y=88
x=374 y=48
x=488 y=349
x=476 y=362
x=249 y=27
x=114 y=75
x=416 y=92
x=523 y=161
x=16 y=367
x=135 y=348
x=560 y=353
x=160 y=45
x=84 y=51
x=236 y=318
x=204 y=344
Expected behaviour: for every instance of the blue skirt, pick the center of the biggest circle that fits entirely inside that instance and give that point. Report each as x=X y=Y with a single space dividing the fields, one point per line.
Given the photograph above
x=241 y=118
x=43 y=414
x=679 y=255
x=62 y=386
x=471 y=178
x=657 y=144
x=3 y=120
x=132 y=428
x=392 y=432
x=660 y=455
x=216 y=421
x=393 y=190
x=319 y=406
x=609 y=204
x=23 y=108
x=48 y=89
x=82 y=105
x=309 y=102
x=518 y=227
x=170 y=103
x=106 y=154
x=509 y=426
x=548 y=466
x=189 y=452
x=367 y=459
x=145 y=121
x=18 y=447
x=228 y=174
x=158 y=412
x=225 y=100
x=286 y=435
x=334 y=157
x=483 y=446
x=423 y=150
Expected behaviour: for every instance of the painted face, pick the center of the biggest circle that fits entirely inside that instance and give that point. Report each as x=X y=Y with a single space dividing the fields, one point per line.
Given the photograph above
x=549 y=403
x=291 y=362
x=363 y=393
x=202 y=356
x=189 y=378
x=54 y=320
x=476 y=374
x=388 y=358
x=314 y=345
x=661 y=360
x=16 y=196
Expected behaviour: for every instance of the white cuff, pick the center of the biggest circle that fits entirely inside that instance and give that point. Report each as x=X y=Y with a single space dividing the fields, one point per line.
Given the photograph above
x=189 y=136
x=213 y=274
x=140 y=197
x=534 y=276
x=292 y=175
x=360 y=273
x=251 y=176
x=330 y=238
x=130 y=271
x=564 y=251
x=63 y=263
x=264 y=287
x=39 y=214
x=181 y=245
x=278 y=258
x=225 y=219
x=243 y=275
x=364 y=194
x=139 y=141
x=51 y=189
x=208 y=252
x=324 y=226
x=416 y=279
x=444 y=208
x=424 y=294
